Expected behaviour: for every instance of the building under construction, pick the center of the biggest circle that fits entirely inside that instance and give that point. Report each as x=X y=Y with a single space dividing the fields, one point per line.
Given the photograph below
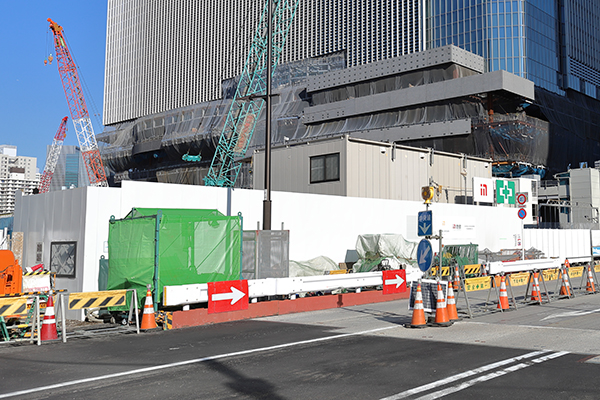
x=440 y=99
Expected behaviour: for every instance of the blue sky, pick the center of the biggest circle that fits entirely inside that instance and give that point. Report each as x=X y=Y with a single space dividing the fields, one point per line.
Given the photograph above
x=32 y=100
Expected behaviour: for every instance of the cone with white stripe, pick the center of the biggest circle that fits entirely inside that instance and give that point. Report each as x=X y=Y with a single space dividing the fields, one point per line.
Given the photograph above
x=451 y=304
x=590 y=287
x=418 y=317
x=441 y=311
x=535 y=289
x=148 y=319
x=565 y=288
x=503 y=303
x=49 y=324
x=456 y=279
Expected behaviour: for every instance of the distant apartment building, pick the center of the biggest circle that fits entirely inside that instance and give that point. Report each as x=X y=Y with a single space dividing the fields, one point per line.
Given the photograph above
x=16 y=173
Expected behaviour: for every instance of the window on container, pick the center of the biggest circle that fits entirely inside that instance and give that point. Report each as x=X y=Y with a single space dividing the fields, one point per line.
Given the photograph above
x=325 y=168
x=63 y=257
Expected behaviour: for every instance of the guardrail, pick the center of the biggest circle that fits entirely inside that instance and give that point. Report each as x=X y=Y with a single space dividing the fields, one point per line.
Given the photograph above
x=198 y=293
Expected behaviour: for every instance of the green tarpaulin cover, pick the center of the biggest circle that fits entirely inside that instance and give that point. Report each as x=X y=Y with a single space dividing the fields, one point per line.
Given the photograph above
x=194 y=246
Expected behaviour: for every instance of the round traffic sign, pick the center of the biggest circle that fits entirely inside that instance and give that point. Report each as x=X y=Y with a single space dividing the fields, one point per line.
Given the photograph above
x=424 y=255
x=521 y=198
x=522 y=213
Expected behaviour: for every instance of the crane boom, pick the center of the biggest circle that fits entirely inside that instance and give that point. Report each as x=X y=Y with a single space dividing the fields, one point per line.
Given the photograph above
x=247 y=103
x=57 y=143
x=79 y=112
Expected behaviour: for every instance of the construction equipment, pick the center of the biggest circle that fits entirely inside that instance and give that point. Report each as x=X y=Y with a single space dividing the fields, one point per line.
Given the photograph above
x=57 y=143
x=11 y=274
x=79 y=112
x=249 y=96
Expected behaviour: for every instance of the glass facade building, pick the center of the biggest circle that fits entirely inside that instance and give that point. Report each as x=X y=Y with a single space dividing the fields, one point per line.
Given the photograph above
x=555 y=44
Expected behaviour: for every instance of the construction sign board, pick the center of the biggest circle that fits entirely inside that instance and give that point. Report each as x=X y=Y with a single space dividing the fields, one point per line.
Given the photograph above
x=505 y=192
x=474 y=284
x=519 y=279
x=429 y=292
x=394 y=281
x=227 y=296
x=575 y=272
x=550 y=274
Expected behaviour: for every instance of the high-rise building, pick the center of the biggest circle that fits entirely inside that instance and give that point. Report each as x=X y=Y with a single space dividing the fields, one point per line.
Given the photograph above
x=168 y=68
x=16 y=173
x=70 y=170
x=166 y=55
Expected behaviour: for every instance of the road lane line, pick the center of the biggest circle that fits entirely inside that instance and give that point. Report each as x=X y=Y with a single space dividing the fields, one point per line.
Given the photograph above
x=462 y=375
x=188 y=362
x=488 y=377
x=570 y=314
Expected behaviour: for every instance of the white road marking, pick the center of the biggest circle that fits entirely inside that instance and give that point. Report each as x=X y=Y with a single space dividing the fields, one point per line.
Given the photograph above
x=571 y=314
x=462 y=375
x=488 y=377
x=187 y=362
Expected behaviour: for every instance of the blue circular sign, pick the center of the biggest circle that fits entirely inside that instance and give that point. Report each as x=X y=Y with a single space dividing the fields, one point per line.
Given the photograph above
x=424 y=255
x=522 y=213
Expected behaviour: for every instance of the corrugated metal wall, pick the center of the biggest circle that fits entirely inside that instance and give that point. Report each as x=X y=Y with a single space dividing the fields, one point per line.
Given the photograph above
x=374 y=170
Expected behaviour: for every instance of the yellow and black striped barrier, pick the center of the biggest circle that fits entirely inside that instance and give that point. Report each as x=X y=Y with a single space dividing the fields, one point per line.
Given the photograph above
x=472 y=269
x=104 y=299
x=108 y=298
x=445 y=271
x=13 y=306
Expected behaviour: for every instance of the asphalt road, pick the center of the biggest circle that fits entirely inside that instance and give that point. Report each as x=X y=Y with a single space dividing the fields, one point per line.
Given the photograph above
x=363 y=352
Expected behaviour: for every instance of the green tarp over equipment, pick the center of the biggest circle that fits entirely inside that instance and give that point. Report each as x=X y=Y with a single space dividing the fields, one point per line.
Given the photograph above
x=164 y=247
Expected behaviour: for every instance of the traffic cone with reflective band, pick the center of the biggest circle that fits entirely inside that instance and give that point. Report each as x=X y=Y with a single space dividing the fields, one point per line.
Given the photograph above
x=148 y=319
x=590 y=287
x=503 y=303
x=456 y=279
x=535 y=289
x=441 y=311
x=565 y=288
x=49 y=324
x=418 y=317
x=451 y=305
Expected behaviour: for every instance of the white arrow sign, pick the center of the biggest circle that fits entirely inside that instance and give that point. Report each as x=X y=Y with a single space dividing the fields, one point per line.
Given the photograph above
x=397 y=281
x=422 y=256
x=424 y=228
x=235 y=295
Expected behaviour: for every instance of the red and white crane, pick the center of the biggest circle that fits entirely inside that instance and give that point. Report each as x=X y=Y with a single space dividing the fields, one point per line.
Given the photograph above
x=52 y=158
x=79 y=112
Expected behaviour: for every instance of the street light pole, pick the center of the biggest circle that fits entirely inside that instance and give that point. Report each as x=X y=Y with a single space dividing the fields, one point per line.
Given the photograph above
x=267 y=200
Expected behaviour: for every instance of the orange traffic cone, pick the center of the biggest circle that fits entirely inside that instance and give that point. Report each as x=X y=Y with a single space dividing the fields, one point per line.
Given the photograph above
x=451 y=305
x=456 y=279
x=148 y=319
x=418 y=317
x=503 y=303
x=49 y=325
x=441 y=311
x=565 y=288
x=535 y=289
x=590 y=287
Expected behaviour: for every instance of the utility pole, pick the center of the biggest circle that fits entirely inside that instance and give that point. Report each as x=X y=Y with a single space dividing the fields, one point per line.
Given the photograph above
x=267 y=200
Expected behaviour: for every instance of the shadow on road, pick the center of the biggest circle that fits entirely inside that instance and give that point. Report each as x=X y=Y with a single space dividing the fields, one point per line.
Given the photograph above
x=254 y=388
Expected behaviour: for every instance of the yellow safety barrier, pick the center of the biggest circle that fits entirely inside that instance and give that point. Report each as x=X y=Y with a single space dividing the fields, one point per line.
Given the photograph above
x=474 y=284
x=575 y=272
x=520 y=279
x=551 y=274
x=109 y=298
x=597 y=268
x=472 y=269
x=13 y=306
